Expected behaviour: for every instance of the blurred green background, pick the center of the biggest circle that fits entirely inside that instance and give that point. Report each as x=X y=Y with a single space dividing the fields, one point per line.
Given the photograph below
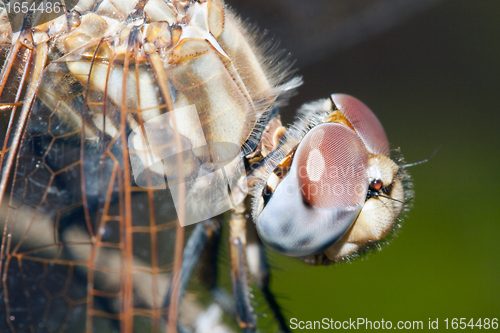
x=433 y=80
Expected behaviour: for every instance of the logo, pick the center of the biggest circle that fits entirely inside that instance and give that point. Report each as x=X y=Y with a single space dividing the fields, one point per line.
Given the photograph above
x=25 y=14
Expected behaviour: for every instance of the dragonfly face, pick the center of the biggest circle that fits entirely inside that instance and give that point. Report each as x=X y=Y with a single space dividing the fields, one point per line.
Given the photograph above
x=88 y=239
x=330 y=196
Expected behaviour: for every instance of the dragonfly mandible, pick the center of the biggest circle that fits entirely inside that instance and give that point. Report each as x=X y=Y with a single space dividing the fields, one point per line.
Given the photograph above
x=87 y=248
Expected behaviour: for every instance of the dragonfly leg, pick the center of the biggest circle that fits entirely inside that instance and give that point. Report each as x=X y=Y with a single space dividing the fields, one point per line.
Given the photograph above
x=202 y=249
x=237 y=245
x=208 y=271
x=192 y=253
x=261 y=275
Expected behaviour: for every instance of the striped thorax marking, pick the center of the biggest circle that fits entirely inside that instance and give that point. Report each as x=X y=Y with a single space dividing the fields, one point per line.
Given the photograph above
x=204 y=49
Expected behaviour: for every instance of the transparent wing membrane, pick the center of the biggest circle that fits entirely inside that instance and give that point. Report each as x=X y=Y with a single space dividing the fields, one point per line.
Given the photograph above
x=14 y=80
x=72 y=179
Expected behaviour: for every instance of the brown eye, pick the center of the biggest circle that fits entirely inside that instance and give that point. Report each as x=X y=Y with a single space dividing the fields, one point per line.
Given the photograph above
x=331 y=164
x=376 y=185
x=365 y=123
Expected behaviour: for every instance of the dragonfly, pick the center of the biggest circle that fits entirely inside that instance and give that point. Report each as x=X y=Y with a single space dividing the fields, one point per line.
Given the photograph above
x=109 y=107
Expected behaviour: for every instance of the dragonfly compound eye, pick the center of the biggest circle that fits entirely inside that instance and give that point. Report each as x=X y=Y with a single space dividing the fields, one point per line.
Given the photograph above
x=321 y=204
x=331 y=165
x=364 y=122
x=321 y=196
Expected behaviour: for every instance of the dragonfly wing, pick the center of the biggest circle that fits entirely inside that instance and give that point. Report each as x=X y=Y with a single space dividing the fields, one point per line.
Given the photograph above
x=94 y=247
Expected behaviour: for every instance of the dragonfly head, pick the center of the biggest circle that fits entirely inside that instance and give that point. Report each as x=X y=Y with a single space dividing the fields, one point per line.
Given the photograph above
x=335 y=190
